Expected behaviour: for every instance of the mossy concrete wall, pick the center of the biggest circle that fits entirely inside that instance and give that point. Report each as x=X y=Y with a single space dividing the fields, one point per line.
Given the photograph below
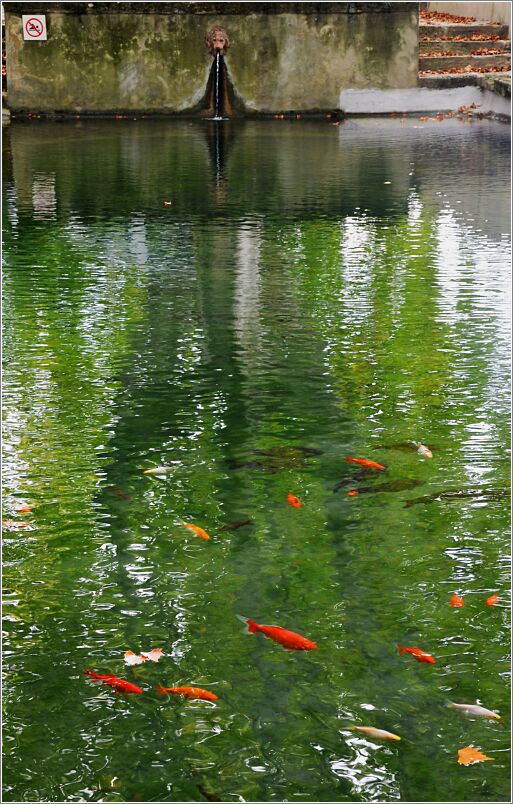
x=101 y=60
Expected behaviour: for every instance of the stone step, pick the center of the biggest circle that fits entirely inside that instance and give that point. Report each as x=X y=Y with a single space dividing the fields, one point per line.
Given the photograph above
x=464 y=29
x=450 y=80
x=467 y=46
x=446 y=62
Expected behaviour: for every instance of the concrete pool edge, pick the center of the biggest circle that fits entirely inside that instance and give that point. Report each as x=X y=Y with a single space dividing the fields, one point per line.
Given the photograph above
x=418 y=100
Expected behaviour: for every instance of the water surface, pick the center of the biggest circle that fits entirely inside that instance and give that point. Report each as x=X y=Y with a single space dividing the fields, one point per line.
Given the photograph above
x=343 y=289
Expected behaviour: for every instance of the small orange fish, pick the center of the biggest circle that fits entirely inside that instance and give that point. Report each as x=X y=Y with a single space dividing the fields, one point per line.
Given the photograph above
x=294 y=501
x=188 y=692
x=456 y=601
x=289 y=639
x=492 y=600
x=365 y=463
x=352 y=493
x=417 y=654
x=118 y=684
x=22 y=508
x=198 y=531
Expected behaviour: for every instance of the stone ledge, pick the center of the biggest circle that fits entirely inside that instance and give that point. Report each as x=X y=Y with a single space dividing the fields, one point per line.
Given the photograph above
x=210 y=9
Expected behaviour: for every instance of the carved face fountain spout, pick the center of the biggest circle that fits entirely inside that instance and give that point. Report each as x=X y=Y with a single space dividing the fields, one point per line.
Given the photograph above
x=217 y=41
x=219 y=102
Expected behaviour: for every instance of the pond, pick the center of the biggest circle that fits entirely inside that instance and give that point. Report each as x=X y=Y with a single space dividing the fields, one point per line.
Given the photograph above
x=310 y=292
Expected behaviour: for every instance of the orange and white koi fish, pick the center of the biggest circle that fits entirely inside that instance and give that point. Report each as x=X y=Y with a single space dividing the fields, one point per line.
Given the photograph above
x=118 y=684
x=158 y=470
x=22 y=508
x=188 y=692
x=294 y=501
x=365 y=463
x=474 y=709
x=167 y=203
x=153 y=655
x=13 y=524
x=198 y=531
x=492 y=600
x=423 y=450
x=456 y=602
x=418 y=654
x=289 y=639
x=380 y=734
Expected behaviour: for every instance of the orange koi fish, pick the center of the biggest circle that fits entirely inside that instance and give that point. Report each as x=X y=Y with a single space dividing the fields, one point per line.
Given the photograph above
x=380 y=734
x=492 y=600
x=198 y=531
x=417 y=654
x=289 y=639
x=294 y=501
x=365 y=463
x=456 y=601
x=189 y=692
x=118 y=684
x=352 y=493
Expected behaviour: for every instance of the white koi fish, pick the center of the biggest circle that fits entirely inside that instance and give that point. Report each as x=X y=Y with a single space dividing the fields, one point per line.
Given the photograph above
x=423 y=450
x=474 y=709
x=158 y=470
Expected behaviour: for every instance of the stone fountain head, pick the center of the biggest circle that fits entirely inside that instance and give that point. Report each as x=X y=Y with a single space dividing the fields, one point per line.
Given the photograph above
x=217 y=41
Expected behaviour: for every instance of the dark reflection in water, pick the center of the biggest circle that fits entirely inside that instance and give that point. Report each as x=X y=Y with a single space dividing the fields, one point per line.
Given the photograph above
x=312 y=292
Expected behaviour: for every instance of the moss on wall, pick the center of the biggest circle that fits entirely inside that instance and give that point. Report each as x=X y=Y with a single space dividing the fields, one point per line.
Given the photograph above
x=158 y=62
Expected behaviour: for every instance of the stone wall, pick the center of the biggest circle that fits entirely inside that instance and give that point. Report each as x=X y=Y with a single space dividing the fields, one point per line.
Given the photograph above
x=105 y=58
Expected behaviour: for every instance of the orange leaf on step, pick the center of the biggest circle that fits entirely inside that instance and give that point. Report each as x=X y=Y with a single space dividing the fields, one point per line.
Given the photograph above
x=469 y=755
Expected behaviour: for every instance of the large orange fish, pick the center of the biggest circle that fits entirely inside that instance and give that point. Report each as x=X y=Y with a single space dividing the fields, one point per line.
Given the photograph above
x=456 y=601
x=365 y=463
x=188 y=692
x=417 y=654
x=198 y=531
x=289 y=639
x=118 y=684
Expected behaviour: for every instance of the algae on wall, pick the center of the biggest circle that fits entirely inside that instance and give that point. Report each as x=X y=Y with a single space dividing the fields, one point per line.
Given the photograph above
x=158 y=63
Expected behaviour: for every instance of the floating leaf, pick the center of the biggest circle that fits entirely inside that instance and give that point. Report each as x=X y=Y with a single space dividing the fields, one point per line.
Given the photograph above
x=470 y=755
x=133 y=658
x=153 y=655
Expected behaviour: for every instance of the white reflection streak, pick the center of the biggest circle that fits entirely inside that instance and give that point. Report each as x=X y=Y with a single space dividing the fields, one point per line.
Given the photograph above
x=247 y=293
x=356 y=249
x=44 y=199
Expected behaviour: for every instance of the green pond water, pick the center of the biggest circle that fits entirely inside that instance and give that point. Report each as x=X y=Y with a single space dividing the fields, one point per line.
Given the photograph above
x=342 y=289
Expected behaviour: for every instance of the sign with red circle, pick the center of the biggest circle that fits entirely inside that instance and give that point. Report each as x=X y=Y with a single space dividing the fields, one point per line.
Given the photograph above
x=34 y=27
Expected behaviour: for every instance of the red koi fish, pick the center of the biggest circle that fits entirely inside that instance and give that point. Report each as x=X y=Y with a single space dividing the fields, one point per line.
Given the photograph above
x=294 y=501
x=417 y=654
x=365 y=463
x=289 y=639
x=492 y=600
x=118 y=684
x=456 y=602
x=189 y=692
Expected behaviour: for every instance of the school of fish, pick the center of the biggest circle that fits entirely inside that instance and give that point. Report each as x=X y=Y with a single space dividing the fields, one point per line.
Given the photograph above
x=290 y=640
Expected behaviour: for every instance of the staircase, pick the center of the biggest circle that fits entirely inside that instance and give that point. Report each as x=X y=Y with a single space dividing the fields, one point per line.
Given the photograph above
x=458 y=51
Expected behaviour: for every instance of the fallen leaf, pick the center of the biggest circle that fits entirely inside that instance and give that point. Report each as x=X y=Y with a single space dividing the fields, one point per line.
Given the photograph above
x=470 y=755
x=153 y=655
x=132 y=658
